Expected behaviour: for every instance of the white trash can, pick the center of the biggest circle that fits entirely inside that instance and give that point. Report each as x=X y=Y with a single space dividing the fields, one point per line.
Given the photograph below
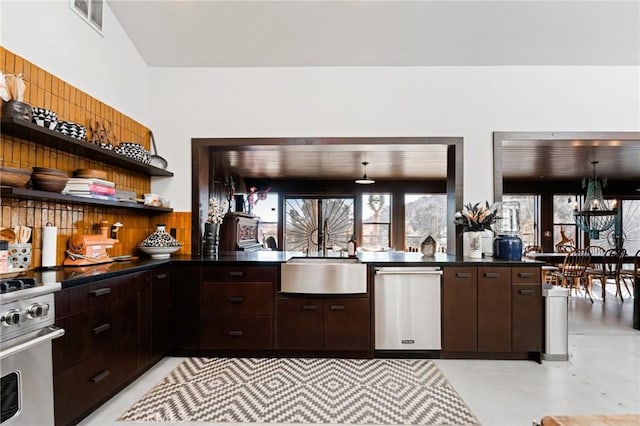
x=556 y=320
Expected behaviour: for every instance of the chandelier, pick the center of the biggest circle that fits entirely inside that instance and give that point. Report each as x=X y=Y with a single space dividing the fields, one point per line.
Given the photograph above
x=595 y=217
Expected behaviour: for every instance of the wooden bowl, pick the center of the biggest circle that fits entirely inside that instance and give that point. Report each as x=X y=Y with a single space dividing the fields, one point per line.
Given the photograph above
x=48 y=183
x=48 y=171
x=17 y=178
x=91 y=173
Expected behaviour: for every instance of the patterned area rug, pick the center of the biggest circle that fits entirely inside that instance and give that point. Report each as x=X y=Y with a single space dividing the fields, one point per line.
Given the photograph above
x=300 y=390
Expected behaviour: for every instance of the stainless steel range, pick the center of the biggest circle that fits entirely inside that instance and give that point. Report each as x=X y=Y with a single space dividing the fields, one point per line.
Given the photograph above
x=27 y=315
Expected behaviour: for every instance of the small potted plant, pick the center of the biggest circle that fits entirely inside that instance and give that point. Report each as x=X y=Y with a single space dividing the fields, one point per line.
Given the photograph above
x=475 y=219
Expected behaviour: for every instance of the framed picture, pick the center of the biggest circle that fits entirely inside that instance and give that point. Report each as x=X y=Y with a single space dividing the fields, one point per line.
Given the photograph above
x=90 y=11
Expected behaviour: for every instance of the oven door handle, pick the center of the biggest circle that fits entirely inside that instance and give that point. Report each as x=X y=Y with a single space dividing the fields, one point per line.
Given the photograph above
x=52 y=332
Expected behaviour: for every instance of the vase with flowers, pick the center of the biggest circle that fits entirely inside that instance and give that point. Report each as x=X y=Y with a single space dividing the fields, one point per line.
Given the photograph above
x=475 y=219
x=215 y=217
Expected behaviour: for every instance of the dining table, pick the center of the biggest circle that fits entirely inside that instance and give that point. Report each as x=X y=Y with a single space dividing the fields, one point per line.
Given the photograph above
x=556 y=258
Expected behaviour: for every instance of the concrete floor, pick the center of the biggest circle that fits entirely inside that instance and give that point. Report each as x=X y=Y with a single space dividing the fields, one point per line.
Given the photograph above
x=602 y=374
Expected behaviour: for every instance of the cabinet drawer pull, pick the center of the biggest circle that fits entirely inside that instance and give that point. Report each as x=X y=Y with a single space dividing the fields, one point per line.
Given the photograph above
x=101 y=328
x=161 y=276
x=525 y=292
x=236 y=299
x=525 y=274
x=235 y=333
x=492 y=274
x=100 y=291
x=463 y=274
x=100 y=376
x=236 y=274
x=309 y=307
x=337 y=307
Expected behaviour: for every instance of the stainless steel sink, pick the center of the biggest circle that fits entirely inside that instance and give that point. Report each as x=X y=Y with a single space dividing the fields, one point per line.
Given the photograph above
x=323 y=275
x=323 y=260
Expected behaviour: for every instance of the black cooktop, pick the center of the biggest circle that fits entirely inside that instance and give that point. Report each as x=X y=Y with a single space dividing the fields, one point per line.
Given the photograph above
x=7 y=285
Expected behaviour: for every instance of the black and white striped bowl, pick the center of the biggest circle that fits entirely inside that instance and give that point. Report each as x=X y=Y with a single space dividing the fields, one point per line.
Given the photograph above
x=44 y=117
x=69 y=128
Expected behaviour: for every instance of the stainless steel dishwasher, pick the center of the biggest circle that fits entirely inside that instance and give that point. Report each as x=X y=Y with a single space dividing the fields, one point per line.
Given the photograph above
x=407 y=309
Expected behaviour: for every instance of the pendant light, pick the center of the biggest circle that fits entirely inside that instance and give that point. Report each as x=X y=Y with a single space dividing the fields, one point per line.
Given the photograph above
x=596 y=216
x=365 y=180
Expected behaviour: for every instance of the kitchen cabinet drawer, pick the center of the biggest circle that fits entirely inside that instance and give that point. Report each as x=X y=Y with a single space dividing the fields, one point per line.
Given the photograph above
x=86 y=334
x=236 y=299
x=83 y=386
x=237 y=333
x=494 y=309
x=81 y=297
x=300 y=324
x=238 y=274
x=526 y=313
x=525 y=275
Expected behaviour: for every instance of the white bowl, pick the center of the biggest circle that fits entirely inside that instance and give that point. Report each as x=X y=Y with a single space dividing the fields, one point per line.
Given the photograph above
x=160 y=252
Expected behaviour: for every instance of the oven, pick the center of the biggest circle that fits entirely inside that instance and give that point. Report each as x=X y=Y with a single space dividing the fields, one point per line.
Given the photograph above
x=27 y=315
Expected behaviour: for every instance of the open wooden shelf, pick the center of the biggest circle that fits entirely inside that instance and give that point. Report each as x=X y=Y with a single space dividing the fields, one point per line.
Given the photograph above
x=18 y=127
x=32 y=194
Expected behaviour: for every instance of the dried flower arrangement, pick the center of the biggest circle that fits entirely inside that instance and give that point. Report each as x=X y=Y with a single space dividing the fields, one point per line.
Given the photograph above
x=216 y=212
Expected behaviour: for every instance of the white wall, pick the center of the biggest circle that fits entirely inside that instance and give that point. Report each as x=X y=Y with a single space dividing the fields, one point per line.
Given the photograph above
x=179 y=104
x=471 y=102
x=50 y=35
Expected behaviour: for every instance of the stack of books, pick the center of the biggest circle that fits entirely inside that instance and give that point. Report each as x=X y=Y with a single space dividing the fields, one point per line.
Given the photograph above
x=91 y=188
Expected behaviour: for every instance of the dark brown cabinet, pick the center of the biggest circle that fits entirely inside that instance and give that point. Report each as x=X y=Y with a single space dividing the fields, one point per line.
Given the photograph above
x=239 y=232
x=332 y=324
x=526 y=310
x=495 y=310
x=103 y=342
x=460 y=309
x=160 y=312
x=300 y=323
x=236 y=307
x=185 y=301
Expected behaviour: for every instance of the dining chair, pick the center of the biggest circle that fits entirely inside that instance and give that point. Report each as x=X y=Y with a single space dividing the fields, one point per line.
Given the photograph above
x=631 y=274
x=532 y=249
x=546 y=270
x=573 y=270
x=609 y=271
x=565 y=248
x=595 y=268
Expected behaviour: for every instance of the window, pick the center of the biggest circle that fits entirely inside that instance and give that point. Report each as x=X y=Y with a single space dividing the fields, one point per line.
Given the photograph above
x=376 y=221
x=529 y=217
x=90 y=11
x=424 y=215
x=307 y=218
x=267 y=210
x=564 y=226
x=630 y=229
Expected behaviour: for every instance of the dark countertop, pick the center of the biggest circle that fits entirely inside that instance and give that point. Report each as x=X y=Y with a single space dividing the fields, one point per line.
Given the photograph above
x=72 y=276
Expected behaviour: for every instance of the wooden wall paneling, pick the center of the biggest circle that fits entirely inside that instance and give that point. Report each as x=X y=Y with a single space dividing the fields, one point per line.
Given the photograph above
x=71 y=104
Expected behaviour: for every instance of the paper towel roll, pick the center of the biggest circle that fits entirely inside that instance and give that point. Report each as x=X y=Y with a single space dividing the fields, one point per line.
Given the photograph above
x=49 y=245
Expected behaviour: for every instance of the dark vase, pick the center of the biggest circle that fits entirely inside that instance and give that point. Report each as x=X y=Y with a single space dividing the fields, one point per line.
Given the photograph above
x=211 y=239
x=507 y=247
